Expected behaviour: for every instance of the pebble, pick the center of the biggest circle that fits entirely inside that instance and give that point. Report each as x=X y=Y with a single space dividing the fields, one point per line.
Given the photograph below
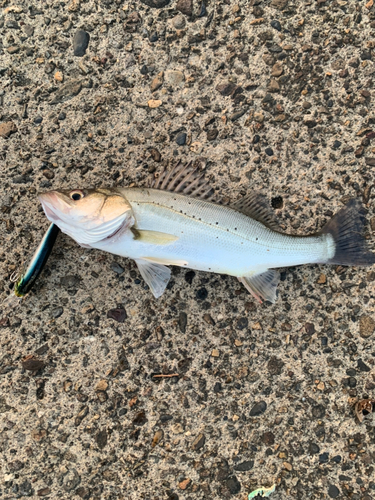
x=215 y=353
x=179 y=22
x=233 y=485
x=182 y=321
x=157 y=82
x=153 y=37
x=362 y=367
x=102 y=385
x=7 y=128
x=154 y=103
x=173 y=77
x=156 y=4
x=158 y=437
x=118 y=314
x=13 y=49
x=366 y=326
x=59 y=77
x=116 y=268
x=185 y=7
x=198 y=442
x=277 y=69
x=184 y=484
x=244 y=466
x=196 y=147
x=80 y=43
x=181 y=139
x=32 y=364
x=67 y=91
x=57 y=312
x=276 y=24
x=28 y=29
x=101 y=439
x=38 y=119
x=333 y=491
x=71 y=480
x=259 y=117
x=258 y=409
x=269 y=151
x=212 y=134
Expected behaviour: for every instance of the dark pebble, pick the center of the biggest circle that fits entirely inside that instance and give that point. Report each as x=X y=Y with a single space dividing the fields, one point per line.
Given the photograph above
x=233 y=485
x=202 y=294
x=116 y=268
x=153 y=37
x=268 y=438
x=32 y=364
x=182 y=321
x=61 y=116
x=277 y=202
x=80 y=42
x=362 y=366
x=212 y=134
x=337 y=459
x=276 y=24
x=269 y=151
x=118 y=314
x=217 y=387
x=156 y=4
x=336 y=144
x=275 y=366
x=256 y=139
x=244 y=466
x=26 y=489
x=314 y=449
x=189 y=276
x=199 y=442
x=242 y=323
x=101 y=438
x=83 y=492
x=258 y=409
x=185 y=7
x=38 y=119
x=318 y=411
x=181 y=139
x=237 y=115
x=57 y=312
x=323 y=458
x=202 y=11
x=144 y=70
x=333 y=491
x=165 y=418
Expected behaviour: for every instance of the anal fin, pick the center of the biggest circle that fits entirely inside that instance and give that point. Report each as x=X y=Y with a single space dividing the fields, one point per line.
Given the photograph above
x=155 y=275
x=262 y=286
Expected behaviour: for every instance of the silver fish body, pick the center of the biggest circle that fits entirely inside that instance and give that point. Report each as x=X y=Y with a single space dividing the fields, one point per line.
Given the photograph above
x=175 y=222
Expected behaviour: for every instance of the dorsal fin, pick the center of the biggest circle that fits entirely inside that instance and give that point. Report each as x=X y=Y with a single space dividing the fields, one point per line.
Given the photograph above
x=184 y=179
x=255 y=206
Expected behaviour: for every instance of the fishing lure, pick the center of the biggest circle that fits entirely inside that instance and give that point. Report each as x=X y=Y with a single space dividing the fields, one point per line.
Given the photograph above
x=26 y=280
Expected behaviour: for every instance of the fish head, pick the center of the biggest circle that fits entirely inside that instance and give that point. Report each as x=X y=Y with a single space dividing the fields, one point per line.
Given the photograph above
x=89 y=215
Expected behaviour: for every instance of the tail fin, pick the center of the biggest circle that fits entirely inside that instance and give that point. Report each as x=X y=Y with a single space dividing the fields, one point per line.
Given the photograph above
x=346 y=228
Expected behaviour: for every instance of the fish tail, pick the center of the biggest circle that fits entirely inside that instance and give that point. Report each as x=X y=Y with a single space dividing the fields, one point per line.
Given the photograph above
x=346 y=229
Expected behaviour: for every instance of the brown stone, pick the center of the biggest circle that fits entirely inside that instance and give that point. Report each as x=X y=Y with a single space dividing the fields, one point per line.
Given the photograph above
x=366 y=326
x=185 y=7
x=7 y=128
x=279 y=4
x=157 y=82
x=184 y=484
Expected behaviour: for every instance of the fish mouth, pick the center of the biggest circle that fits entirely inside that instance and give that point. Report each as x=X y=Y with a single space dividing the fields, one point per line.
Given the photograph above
x=52 y=204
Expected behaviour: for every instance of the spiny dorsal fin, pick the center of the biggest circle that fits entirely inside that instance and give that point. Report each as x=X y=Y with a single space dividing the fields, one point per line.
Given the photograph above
x=184 y=179
x=255 y=206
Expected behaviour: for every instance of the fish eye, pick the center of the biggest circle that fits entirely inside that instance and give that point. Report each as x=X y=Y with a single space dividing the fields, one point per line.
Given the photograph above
x=76 y=195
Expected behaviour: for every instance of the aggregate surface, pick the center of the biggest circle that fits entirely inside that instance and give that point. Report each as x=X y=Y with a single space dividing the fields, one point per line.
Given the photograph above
x=107 y=393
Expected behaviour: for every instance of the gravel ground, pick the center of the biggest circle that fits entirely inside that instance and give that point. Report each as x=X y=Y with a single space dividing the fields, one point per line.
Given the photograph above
x=275 y=95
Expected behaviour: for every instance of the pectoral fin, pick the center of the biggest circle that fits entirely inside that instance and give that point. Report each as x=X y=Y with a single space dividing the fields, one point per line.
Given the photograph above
x=262 y=286
x=155 y=275
x=153 y=237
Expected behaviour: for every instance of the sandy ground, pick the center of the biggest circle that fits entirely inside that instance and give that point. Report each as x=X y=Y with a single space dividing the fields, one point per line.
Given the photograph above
x=271 y=95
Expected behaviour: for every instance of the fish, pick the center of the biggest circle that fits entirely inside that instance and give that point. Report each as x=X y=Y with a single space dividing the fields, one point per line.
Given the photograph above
x=176 y=221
